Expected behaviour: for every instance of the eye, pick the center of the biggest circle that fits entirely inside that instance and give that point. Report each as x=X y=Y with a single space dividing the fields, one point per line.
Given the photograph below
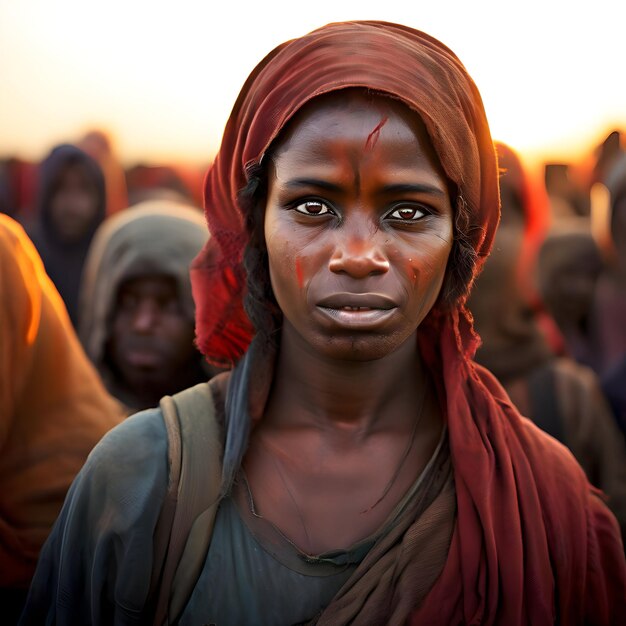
x=313 y=207
x=408 y=213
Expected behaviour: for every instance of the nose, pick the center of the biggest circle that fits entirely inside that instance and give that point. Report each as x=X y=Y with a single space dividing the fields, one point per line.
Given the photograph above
x=359 y=254
x=145 y=317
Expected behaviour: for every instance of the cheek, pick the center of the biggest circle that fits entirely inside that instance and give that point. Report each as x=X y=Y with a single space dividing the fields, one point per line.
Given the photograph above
x=424 y=265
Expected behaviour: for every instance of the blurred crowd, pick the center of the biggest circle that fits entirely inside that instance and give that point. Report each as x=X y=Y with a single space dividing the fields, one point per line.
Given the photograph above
x=97 y=314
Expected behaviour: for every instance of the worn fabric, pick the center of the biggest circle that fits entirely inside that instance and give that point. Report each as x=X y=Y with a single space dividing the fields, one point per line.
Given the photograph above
x=533 y=540
x=53 y=407
x=153 y=237
x=64 y=261
x=299 y=588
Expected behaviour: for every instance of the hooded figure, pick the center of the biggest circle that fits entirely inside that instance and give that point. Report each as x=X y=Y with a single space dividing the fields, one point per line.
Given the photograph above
x=53 y=410
x=137 y=313
x=371 y=472
x=71 y=205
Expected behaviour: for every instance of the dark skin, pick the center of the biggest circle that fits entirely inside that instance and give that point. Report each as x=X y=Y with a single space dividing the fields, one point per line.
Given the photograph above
x=358 y=228
x=74 y=205
x=151 y=347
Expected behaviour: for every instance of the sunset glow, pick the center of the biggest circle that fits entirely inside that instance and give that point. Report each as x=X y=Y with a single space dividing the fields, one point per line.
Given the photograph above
x=162 y=76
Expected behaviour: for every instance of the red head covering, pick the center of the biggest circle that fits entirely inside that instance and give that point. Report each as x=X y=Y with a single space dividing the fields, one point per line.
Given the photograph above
x=530 y=535
x=389 y=58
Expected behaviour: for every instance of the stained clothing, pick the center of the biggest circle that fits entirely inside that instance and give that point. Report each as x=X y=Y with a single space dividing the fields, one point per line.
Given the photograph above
x=298 y=587
x=64 y=261
x=532 y=543
x=115 y=501
x=53 y=406
x=151 y=238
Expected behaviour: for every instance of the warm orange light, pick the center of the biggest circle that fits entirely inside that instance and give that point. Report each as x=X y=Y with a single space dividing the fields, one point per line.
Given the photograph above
x=163 y=76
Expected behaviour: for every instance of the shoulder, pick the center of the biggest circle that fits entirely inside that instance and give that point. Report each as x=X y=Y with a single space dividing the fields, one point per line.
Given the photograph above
x=131 y=452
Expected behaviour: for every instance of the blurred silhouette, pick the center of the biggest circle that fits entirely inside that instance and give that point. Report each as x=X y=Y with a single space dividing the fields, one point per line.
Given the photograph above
x=98 y=145
x=567 y=199
x=174 y=183
x=70 y=207
x=609 y=307
x=559 y=395
x=607 y=153
x=137 y=313
x=568 y=268
x=53 y=410
x=18 y=180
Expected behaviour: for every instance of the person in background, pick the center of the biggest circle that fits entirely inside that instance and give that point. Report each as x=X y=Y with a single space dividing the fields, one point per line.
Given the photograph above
x=137 y=313
x=568 y=268
x=608 y=317
x=70 y=207
x=99 y=146
x=562 y=397
x=53 y=410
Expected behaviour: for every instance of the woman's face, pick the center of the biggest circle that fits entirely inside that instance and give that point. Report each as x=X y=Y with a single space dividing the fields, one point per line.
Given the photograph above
x=358 y=225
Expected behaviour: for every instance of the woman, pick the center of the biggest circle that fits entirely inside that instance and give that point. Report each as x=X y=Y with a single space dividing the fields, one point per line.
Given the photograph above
x=386 y=479
x=53 y=410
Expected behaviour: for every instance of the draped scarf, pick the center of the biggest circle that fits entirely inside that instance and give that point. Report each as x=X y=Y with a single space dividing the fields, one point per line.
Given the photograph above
x=532 y=542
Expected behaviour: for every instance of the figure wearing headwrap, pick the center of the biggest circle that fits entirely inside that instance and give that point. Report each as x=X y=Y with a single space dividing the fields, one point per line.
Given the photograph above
x=53 y=410
x=355 y=190
x=137 y=313
x=71 y=205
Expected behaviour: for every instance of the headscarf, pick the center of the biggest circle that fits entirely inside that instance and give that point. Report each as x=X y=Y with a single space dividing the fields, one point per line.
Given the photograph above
x=64 y=261
x=389 y=58
x=526 y=531
x=154 y=237
x=53 y=407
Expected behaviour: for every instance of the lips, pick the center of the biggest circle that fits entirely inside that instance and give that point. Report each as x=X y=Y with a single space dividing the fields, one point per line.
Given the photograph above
x=357 y=301
x=357 y=311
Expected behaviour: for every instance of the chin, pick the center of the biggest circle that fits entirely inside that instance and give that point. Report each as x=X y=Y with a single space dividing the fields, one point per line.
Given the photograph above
x=359 y=348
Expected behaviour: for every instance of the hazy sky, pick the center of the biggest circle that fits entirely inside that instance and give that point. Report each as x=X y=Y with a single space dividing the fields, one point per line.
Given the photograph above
x=163 y=75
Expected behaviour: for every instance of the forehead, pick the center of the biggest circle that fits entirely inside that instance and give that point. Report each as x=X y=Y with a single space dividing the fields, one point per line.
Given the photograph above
x=149 y=284
x=359 y=117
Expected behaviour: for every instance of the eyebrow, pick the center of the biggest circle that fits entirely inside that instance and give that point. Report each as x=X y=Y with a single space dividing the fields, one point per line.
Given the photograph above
x=414 y=188
x=393 y=188
x=313 y=182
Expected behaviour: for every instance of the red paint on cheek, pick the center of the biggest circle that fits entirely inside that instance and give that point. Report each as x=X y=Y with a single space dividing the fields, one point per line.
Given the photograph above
x=411 y=272
x=299 y=274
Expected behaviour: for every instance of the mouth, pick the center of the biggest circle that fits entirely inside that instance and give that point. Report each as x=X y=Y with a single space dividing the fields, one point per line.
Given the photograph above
x=355 y=310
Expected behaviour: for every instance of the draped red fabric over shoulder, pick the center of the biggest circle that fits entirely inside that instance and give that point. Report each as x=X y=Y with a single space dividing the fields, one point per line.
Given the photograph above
x=533 y=543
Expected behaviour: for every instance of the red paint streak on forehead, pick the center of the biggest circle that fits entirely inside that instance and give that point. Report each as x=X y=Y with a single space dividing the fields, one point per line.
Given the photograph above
x=299 y=274
x=372 y=138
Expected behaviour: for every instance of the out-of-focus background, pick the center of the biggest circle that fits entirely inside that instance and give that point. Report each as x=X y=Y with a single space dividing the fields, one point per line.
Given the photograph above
x=160 y=76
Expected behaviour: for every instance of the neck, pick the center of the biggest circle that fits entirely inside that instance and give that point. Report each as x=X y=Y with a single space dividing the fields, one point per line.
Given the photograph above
x=357 y=397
